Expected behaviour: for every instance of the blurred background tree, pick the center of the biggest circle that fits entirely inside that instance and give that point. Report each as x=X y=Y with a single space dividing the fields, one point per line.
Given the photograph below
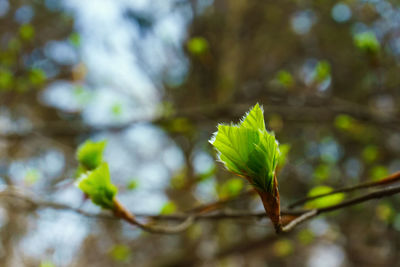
x=154 y=78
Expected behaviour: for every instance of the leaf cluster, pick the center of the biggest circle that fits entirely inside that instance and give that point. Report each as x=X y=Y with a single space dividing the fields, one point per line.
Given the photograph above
x=98 y=186
x=248 y=149
x=90 y=155
x=94 y=174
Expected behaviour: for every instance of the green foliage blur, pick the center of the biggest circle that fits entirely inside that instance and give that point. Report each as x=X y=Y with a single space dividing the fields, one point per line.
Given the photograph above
x=326 y=73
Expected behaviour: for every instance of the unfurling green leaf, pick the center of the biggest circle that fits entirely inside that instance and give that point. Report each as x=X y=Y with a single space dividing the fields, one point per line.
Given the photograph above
x=168 y=208
x=322 y=71
x=283 y=247
x=116 y=109
x=120 y=253
x=367 y=42
x=197 y=45
x=27 y=32
x=47 y=263
x=6 y=80
x=97 y=185
x=385 y=212
x=378 y=172
x=90 y=154
x=370 y=153
x=285 y=79
x=132 y=184
x=248 y=150
x=75 y=39
x=32 y=176
x=344 y=122
x=37 y=76
x=323 y=201
x=231 y=188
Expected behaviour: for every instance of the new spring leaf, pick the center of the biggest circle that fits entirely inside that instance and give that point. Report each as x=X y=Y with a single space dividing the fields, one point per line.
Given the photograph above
x=90 y=154
x=97 y=185
x=248 y=149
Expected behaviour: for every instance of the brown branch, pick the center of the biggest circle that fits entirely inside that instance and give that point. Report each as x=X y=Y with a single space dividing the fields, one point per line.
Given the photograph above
x=386 y=192
x=121 y=212
x=13 y=192
x=304 y=217
x=395 y=177
x=206 y=208
x=188 y=219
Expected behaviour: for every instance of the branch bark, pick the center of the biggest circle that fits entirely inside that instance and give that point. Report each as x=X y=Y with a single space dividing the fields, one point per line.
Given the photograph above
x=186 y=220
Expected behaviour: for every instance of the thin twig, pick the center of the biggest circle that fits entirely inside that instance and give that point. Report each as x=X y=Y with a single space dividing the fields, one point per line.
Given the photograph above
x=395 y=177
x=358 y=200
x=35 y=202
x=188 y=219
x=304 y=217
x=175 y=229
x=386 y=192
x=217 y=204
x=121 y=212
